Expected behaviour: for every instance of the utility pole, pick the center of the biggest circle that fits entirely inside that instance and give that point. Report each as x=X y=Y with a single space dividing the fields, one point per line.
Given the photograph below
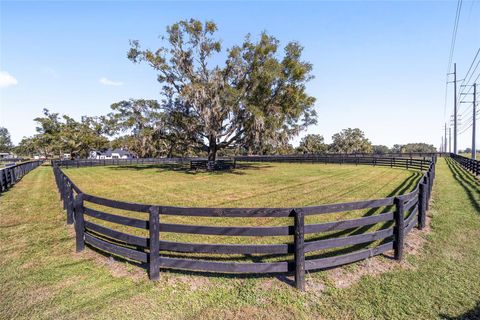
x=474 y=123
x=445 y=140
x=455 y=108
x=450 y=139
x=441 y=145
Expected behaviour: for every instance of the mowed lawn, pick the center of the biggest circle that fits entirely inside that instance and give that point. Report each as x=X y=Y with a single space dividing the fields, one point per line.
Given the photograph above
x=251 y=185
x=41 y=277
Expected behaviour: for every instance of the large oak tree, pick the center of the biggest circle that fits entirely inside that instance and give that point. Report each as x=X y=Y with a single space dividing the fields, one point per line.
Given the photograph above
x=255 y=98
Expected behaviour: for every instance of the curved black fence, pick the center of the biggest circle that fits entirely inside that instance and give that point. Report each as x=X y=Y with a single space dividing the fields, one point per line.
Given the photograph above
x=12 y=174
x=470 y=164
x=398 y=216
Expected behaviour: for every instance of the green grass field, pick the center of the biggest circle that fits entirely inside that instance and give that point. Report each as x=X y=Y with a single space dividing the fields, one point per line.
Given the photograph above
x=42 y=278
x=252 y=185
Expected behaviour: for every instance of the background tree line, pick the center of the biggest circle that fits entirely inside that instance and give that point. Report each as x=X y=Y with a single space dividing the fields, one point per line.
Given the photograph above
x=253 y=103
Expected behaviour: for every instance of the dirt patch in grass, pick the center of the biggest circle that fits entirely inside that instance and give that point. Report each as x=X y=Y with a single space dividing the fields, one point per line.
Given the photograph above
x=247 y=312
x=345 y=277
x=192 y=282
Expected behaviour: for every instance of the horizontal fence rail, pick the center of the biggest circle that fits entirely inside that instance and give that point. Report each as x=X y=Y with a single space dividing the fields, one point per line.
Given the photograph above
x=470 y=164
x=367 y=236
x=412 y=160
x=12 y=174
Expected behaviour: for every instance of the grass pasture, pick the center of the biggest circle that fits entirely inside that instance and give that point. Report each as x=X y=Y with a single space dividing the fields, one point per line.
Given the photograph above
x=252 y=185
x=42 y=278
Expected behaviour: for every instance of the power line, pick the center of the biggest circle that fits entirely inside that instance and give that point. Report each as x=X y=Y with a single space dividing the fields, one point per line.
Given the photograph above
x=454 y=33
x=452 y=50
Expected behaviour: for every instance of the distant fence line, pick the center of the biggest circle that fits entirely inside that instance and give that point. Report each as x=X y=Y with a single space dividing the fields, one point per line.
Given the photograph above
x=12 y=159
x=11 y=175
x=470 y=164
x=410 y=160
x=409 y=211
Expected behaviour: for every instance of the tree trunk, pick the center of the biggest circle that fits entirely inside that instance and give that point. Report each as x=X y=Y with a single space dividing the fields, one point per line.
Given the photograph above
x=212 y=153
x=212 y=149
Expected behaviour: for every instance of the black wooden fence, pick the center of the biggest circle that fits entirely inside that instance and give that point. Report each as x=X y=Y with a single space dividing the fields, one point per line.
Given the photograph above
x=11 y=175
x=402 y=213
x=470 y=164
x=409 y=161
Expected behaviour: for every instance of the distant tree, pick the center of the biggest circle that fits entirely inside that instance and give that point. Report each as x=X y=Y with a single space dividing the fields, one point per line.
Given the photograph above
x=380 y=149
x=312 y=143
x=27 y=147
x=79 y=138
x=141 y=122
x=417 y=147
x=5 y=140
x=57 y=135
x=350 y=141
x=49 y=129
x=254 y=99
x=397 y=148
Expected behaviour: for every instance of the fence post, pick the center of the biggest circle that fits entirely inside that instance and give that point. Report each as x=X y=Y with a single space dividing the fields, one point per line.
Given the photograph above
x=299 y=239
x=154 y=245
x=79 y=223
x=70 y=205
x=65 y=194
x=421 y=205
x=399 y=228
x=427 y=205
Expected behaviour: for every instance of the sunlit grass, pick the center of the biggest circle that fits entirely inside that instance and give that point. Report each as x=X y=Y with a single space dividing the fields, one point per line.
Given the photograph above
x=42 y=278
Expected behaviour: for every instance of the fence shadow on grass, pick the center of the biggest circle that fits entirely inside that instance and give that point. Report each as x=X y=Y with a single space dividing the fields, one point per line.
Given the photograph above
x=185 y=168
x=469 y=315
x=467 y=181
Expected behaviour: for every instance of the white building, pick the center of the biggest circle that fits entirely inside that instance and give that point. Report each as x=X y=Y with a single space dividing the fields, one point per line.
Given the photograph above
x=111 y=154
x=7 y=155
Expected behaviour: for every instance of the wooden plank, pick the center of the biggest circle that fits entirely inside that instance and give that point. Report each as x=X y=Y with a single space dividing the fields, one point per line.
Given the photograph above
x=115 y=249
x=126 y=221
x=324 y=263
x=227 y=231
x=411 y=203
x=348 y=224
x=411 y=216
x=224 y=267
x=346 y=206
x=117 y=235
x=347 y=241
x=117 y=204
x=226 y=212
x=226 y=248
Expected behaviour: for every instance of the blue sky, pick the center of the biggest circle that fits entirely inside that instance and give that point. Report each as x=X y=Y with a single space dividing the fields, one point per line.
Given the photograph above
x=379 y=66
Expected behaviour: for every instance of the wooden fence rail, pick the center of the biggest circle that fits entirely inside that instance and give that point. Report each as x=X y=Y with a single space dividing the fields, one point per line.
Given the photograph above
x=470 y=164
x=399 y=214
x=12 y=174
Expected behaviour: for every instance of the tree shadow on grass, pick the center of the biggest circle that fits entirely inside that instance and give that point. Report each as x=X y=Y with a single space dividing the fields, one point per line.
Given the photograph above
x=469 y=183
x=185 y=168
x=472 y=314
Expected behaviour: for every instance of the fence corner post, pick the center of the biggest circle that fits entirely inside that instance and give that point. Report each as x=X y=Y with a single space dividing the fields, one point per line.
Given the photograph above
x=421 y=205
x=399 y=229
x=154 y=243
x=299 y=241
x=79 y=223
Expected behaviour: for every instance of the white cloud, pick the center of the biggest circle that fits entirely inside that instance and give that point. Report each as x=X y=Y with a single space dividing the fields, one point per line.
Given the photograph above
x=108 y=82
x=7 y=80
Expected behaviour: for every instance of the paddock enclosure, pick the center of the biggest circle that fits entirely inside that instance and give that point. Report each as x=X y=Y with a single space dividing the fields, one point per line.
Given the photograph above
x=133 y=231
